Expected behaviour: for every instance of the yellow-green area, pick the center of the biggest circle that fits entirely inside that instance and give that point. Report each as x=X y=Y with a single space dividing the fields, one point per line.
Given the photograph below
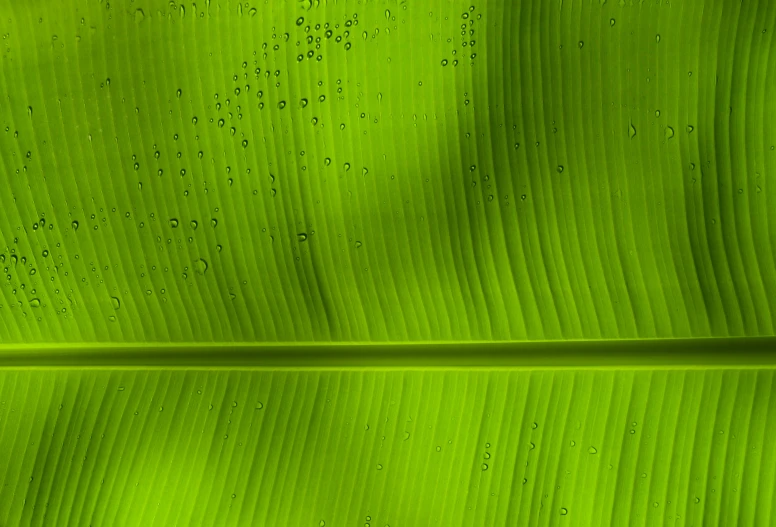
x=387 y=263
x=336 y=171
x=412 y=448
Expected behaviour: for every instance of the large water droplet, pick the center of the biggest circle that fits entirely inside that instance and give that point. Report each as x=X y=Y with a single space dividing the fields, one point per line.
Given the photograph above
x=200 y=266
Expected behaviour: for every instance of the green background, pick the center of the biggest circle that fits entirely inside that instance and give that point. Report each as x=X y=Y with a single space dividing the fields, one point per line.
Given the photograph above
x=385 y=188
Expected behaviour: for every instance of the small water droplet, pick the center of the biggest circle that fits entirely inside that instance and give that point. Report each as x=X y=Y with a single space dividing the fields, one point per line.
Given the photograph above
x=115 y=302
x=631 y=131
x=563 y=511
x=35 y=302
x=302 y=236
x=669 y=133
x=484 y=466
x=592 y=450
x=173 y=223
x=75 y=225
x=612 y=22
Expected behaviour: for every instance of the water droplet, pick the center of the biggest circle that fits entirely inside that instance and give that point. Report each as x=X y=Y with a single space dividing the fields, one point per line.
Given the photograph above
x=358 y=244
x=484 y=466
x=281 y=105
x=657 y=113
x=657 y=38
x=35 y=302
x=534 y=425
x=611 y=22
x=669 y=133
x=697 y=500
x=29 y=112
x=115 y=302
x=581 y=44
x=444 y=62
x=346 y=166
x=379 y=466
x=364 y=171
x=690 y=128
x=194 y=224
x=173 y=222
x=631 y=131
x=563 y=511
x=387 y=14
x=300 y=21
x=327 y=161
x=302 y=236
x=560 y=169
x=322 y=524
x=245 y=143
x=592 y=450
x=200 y=266
x=75 y=225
